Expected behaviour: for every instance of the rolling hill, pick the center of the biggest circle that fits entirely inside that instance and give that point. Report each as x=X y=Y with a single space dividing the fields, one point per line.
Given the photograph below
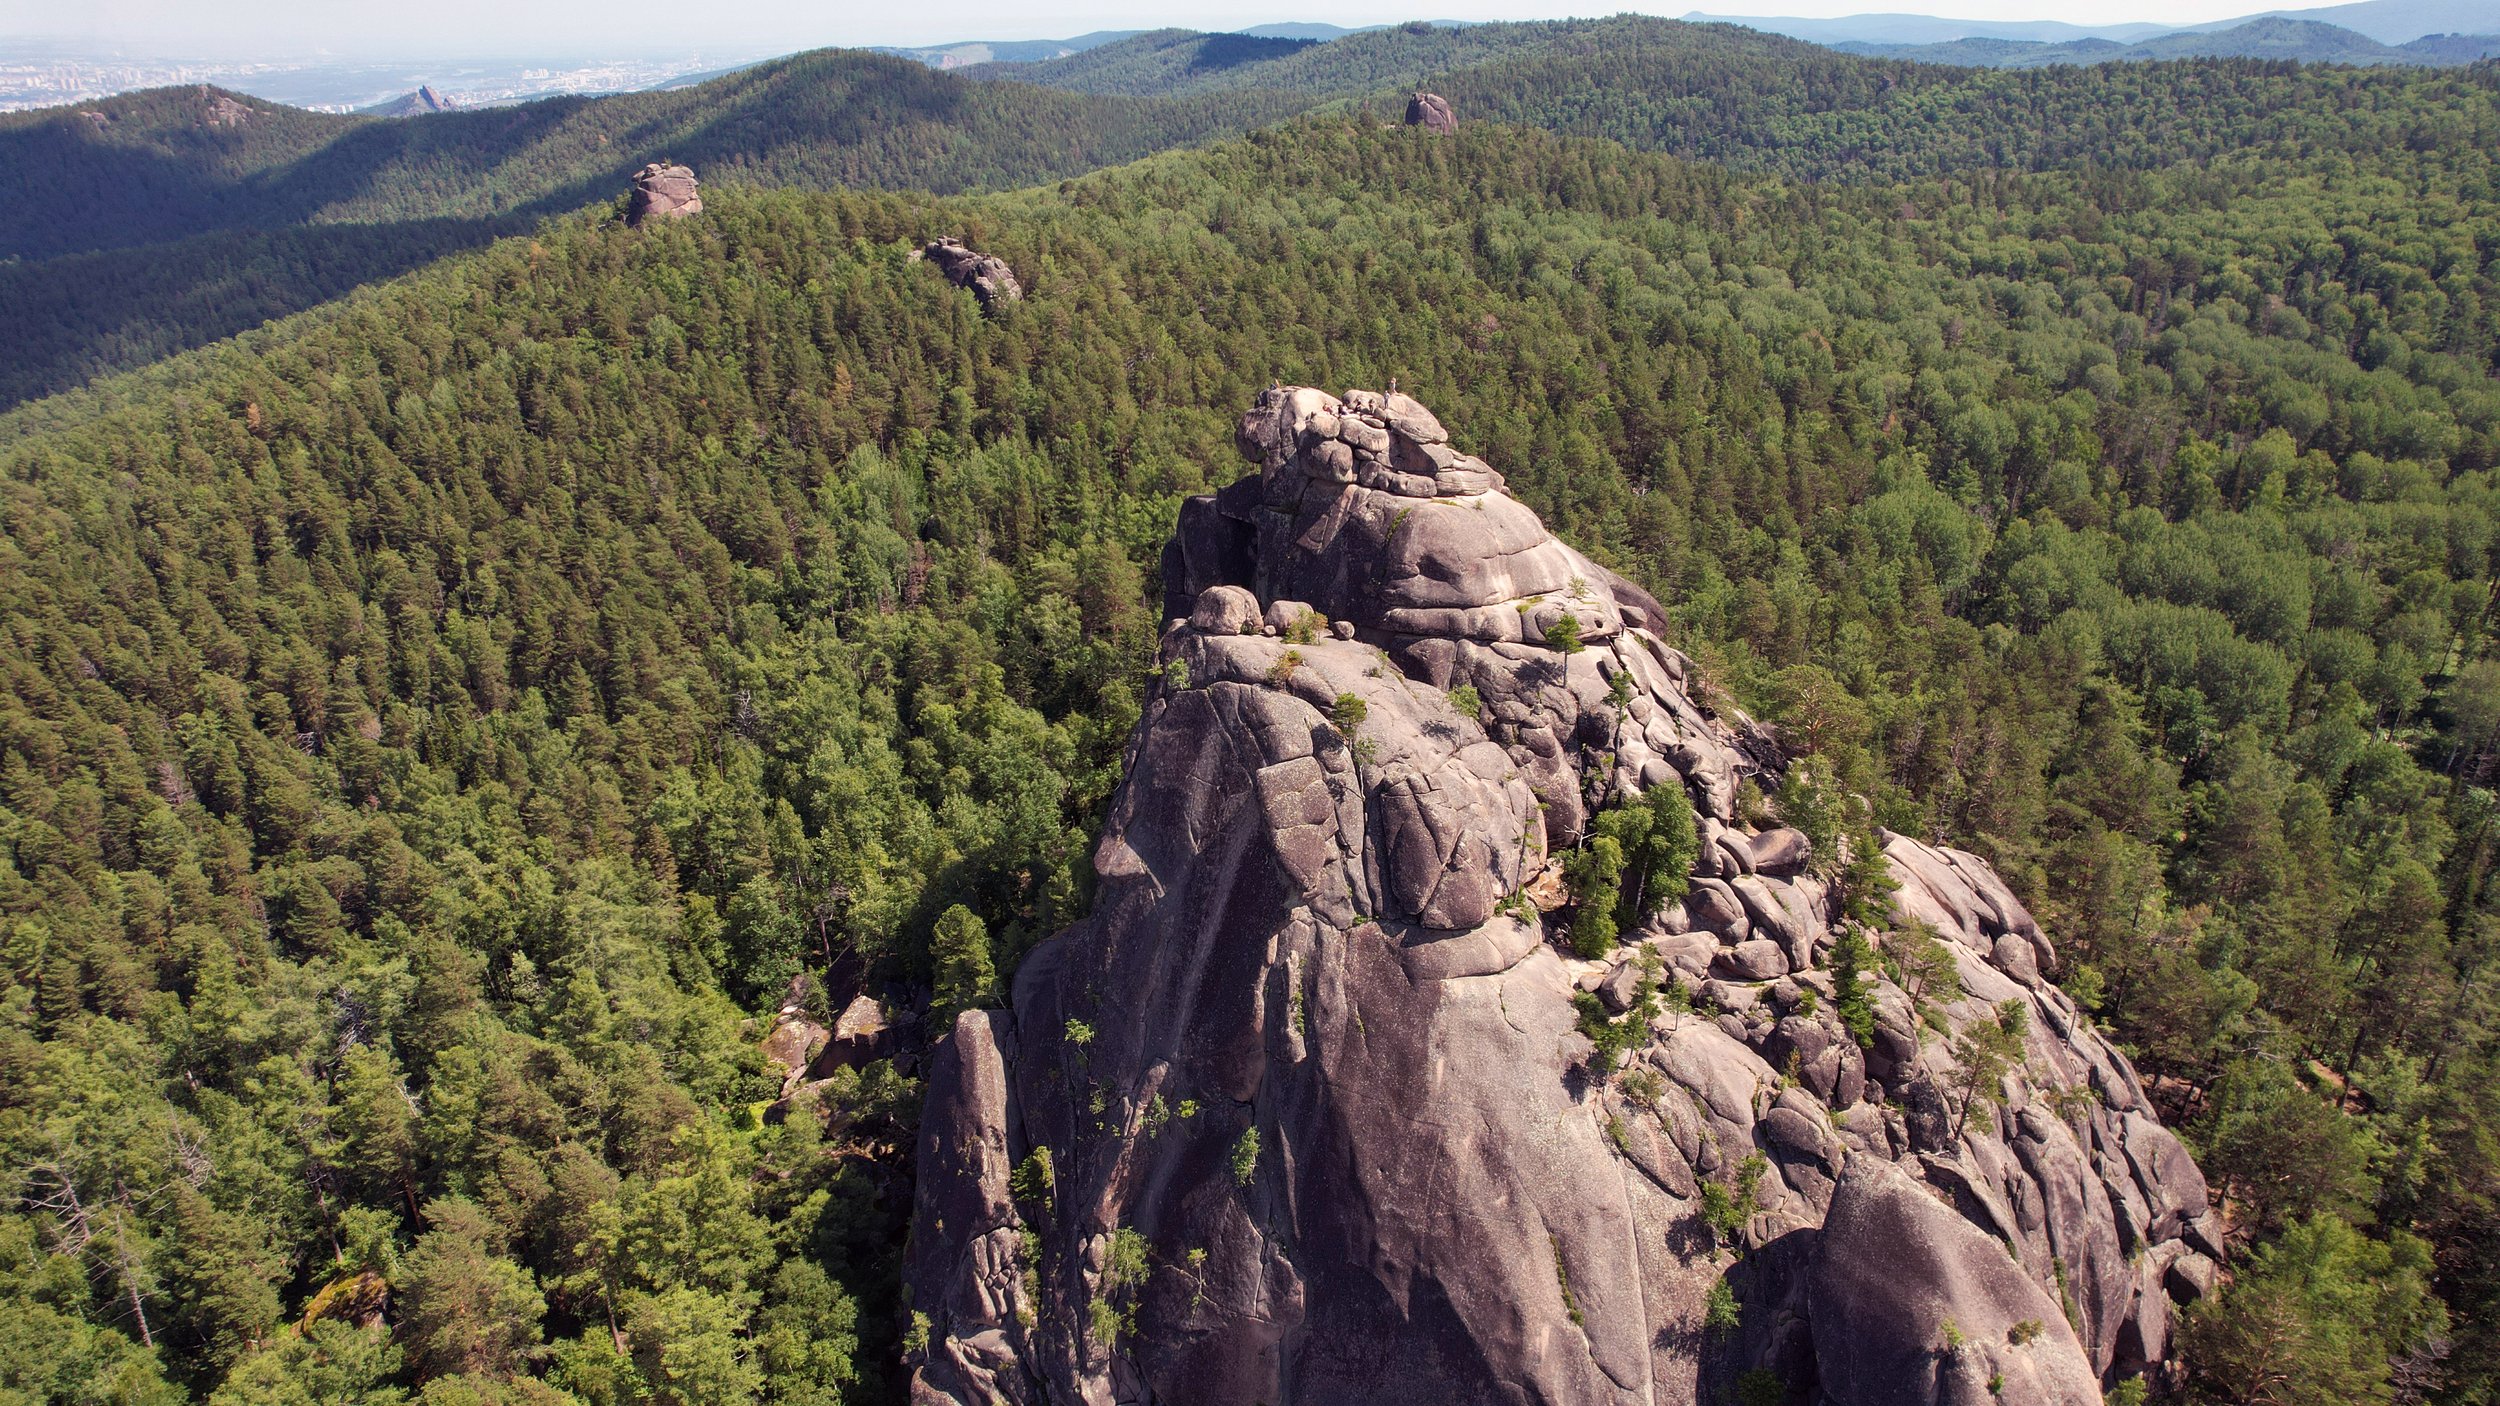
x=2390 y=22
x=2295 y=40
x=181 y=215
x=176 y=217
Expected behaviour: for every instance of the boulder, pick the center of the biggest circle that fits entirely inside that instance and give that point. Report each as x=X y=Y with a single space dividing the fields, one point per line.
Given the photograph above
x=1782 y=852
x=2191 y=1277
x=792 y=1045
x=1621 y=987
x=1711 y=906
x=1912 y=1305
x=1756 y=959
x=1226 y=610
x=663 y=192
x=1283 y=615
x=1778 y=911
x=1430 y=111
x=860 y=1034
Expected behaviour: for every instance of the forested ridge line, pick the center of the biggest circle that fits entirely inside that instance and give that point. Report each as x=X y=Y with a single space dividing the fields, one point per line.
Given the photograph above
x=310 y=204
x=439 y=728
x=173 y=217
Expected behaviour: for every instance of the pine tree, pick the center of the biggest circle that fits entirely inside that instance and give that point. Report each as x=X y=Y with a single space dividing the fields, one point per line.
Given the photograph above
x=960 y=947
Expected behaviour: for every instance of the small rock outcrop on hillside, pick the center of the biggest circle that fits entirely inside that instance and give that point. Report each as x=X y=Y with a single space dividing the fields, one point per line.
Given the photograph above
x=1431 y=111
x=223 y=109
x=663 y=192
x=1304 y=1112
x=987 y=275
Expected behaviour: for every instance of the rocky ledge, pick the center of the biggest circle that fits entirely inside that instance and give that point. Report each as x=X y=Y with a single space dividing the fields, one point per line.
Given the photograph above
x=1306 y=1110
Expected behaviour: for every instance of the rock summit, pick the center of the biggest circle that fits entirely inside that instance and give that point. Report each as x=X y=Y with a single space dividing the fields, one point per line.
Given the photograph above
x=1306 y=1110
x=663 y=192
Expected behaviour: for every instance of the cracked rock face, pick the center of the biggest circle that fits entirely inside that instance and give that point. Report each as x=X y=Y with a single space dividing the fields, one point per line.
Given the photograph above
x=1302 y=1112
x=663 y=192
x=992 y=282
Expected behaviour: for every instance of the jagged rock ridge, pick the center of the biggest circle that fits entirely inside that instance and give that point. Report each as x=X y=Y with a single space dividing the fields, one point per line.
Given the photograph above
x=1299 y=1113
x=992 y=282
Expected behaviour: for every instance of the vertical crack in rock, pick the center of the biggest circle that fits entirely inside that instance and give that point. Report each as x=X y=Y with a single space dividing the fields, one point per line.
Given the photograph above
x=1337 y=1090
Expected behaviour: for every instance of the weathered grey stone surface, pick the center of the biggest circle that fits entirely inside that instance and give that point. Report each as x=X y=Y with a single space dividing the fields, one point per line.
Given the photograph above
x=663 y=192
x=1912 y=1305
x=1783 y=853
x=1336 y=1082
x=988 y=276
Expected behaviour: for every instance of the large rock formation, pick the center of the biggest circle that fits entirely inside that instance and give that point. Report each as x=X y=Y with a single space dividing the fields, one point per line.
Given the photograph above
x=663 y=192
x=1303 y=1112
x=1431 y=111
x=987 y=275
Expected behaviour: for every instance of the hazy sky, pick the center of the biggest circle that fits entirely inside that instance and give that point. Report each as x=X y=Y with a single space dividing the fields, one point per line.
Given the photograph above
x=589 y=28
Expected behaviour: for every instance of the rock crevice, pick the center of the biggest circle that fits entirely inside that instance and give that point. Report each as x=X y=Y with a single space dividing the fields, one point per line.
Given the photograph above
x=1311 y=1083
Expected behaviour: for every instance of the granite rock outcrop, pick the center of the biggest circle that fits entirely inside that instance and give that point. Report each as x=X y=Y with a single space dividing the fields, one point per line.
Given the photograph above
x=663 y=192
x=1431 y=111
x=1305 y=1111
x=992 y=282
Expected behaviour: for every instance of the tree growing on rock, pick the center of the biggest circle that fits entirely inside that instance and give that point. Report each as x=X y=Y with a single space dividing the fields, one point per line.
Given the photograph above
x=966 y=975
x=1595 y=874
x=1639 y=859
x=1987 y=1052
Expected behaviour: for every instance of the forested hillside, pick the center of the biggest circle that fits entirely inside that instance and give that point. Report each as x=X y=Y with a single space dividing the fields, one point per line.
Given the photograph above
x=1725 y=94
x=305 y=206
x=170 y=218
x=437 y=732
x=172 y=162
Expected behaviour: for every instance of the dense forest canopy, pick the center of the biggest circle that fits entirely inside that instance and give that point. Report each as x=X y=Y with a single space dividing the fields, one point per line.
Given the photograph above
x=438 y=730
x=172 y=218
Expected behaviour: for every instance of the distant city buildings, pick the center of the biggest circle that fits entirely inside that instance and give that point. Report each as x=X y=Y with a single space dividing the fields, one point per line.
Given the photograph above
x=56 y=80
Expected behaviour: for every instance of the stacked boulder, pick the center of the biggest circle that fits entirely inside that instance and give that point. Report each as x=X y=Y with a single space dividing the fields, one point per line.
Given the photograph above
x=663 y=192
x=1304 y=1111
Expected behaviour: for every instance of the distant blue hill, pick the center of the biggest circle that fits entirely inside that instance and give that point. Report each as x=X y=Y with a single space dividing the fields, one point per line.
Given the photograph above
x=2395 y=21
x=1304 y=31
x=2388 y=22
x=967 y=52
x=1928 y=29
x=2304 y=41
